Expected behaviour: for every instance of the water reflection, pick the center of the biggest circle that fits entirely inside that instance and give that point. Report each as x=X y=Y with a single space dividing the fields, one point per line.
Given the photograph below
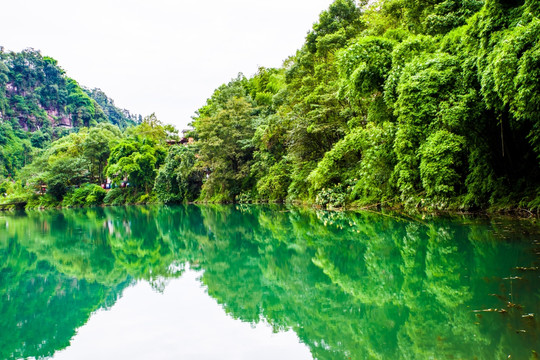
x=351 y=285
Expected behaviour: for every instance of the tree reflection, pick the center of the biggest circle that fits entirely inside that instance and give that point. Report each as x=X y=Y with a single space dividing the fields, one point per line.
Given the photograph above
x=40 y=307
x=351 y=285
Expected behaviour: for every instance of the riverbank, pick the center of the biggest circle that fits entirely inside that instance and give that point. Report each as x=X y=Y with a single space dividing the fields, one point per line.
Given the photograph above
x=44 y=203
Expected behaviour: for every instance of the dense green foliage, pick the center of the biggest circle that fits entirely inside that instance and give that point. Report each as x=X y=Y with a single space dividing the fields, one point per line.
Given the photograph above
x=72 y=170
x=177 y=179
x=431 y=105
x=39 y=103
x=425 y=104
x=119 y=117
x=352 y=285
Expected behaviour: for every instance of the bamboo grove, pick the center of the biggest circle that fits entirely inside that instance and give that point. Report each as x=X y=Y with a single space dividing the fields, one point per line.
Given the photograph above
x=418 y=103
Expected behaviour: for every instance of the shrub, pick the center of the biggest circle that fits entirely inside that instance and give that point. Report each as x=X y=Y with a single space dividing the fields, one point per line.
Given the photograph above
x=440 y=165
x=244 y=198
x=42 y=201
x=96 y=196
x=274 y=185
x=4 y=187
x=115 y=196
x=333 y=197
x=89 y=194
x=144 y=199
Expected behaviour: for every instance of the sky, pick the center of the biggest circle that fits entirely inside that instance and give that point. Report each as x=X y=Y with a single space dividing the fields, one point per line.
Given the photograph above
x=160 y=56
x=182 y=323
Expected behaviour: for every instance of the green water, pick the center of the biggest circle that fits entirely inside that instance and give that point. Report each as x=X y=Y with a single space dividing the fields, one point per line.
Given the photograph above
x=353 y=285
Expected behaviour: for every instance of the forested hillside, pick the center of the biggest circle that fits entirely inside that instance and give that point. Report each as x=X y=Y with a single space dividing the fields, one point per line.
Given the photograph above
x=415 y=104
x=39 y=103
x=423 y=103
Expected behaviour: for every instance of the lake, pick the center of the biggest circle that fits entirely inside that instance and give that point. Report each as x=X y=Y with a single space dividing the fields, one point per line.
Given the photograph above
x=266 y=282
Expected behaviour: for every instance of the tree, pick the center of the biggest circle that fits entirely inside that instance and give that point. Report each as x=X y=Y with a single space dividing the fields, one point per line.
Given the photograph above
x=178 y=180
x=135 y=162
x=64 y=173
x=225 y=147
x=97 y=147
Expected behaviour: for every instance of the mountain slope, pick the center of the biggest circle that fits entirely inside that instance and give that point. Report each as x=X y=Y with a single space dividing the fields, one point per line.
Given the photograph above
x=39 y=103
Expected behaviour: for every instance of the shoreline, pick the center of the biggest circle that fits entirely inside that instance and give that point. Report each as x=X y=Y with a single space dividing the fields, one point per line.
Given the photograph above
x=516 y=213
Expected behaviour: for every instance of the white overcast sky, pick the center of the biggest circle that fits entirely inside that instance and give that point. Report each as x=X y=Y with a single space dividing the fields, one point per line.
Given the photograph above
x=159 y=56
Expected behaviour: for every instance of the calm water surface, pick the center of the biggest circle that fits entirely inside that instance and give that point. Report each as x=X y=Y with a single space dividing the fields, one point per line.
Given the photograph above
x=266 y=282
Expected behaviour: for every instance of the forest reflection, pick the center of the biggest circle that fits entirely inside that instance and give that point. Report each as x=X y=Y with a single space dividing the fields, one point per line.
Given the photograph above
x=352 y=285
